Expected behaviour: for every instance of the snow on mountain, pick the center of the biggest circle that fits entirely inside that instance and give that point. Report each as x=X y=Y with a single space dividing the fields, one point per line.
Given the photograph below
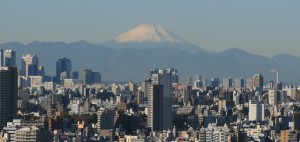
x=148 y=33
x=149 y=36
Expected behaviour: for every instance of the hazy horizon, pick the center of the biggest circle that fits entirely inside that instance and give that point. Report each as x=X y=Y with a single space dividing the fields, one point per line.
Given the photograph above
x=265 y=28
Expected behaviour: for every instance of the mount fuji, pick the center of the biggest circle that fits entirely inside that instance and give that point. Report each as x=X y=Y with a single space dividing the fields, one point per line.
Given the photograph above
x=133 y=54
x=148 y=33
x=148 y=36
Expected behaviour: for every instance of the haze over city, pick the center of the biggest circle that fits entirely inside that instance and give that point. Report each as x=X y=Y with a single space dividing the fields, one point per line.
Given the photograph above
x=149 y=71
x=265 y=28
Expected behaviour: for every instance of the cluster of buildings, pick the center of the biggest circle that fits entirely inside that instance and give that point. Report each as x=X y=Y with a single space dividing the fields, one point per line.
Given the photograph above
x=32 y=75
x=67 y=107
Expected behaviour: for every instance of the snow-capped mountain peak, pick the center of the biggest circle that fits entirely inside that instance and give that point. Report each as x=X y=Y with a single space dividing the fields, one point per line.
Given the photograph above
x=148 y=33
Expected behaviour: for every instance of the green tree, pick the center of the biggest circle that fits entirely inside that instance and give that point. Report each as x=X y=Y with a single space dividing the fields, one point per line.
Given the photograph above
x=94 y=118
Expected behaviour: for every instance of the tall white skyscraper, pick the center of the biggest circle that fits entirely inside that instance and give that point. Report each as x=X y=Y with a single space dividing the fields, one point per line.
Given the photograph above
x=272 y=97
x=29 y=65
x=159 y=100
x=256 y=111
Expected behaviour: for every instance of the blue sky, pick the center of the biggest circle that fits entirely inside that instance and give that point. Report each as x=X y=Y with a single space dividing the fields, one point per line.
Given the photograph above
x=266 y=27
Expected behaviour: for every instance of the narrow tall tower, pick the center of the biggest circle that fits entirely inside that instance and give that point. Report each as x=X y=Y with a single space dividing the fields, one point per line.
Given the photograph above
x=1 y=57
x=277 y=77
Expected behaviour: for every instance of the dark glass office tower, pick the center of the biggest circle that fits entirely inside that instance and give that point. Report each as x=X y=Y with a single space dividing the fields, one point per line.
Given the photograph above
x=63 y=65
x=8 y=94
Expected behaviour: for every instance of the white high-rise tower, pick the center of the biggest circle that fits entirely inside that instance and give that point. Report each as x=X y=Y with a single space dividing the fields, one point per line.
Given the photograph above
x=29 y=65
x=256 y=111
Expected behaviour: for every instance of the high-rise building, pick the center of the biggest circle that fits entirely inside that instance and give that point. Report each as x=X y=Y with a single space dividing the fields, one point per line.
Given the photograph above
x=8 y=94
x=174 y=75
x=96 y=77
x=249 y=83
x=278 y=86
x=145 y=87
x=215 y=82
x=204 y=81
x=171 y=71
x=239 y=83
x=64 y=75
x=270 y=85
x=74 y=75
x=282 y=97
x=87 y=76
x=198 y=77
x=198 y=83
x=258 y=81
x=294 y=93
x=105 y=119
x=227 y=83
x=236 y=98
x=140 y=96
x=29 y=65
x=9 y=58
x=62 y=65
x=159 y=100
x=189 y=81
x=1 y=57
x=273 y=97
x=256 y=111
x=90 y=77
x=132 y=87
x=41 y=70
x=296 y=120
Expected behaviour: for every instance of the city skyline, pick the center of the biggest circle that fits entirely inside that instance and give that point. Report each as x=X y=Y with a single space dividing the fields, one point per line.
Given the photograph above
x=253 y=26
x=149 y=71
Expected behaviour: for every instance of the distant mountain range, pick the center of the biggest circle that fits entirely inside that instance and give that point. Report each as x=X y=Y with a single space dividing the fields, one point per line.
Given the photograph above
x=130 y=56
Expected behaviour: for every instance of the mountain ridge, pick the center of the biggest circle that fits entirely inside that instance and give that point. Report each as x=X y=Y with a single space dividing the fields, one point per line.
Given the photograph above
x=150 y=46
x=134 y=63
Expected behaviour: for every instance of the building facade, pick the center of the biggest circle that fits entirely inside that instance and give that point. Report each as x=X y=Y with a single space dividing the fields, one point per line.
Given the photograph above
x=8 y=94
x=159 y=100
x=256 y=111
x=62 y=65
x=8 y=58
x=258 y=81
x=29 y=65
